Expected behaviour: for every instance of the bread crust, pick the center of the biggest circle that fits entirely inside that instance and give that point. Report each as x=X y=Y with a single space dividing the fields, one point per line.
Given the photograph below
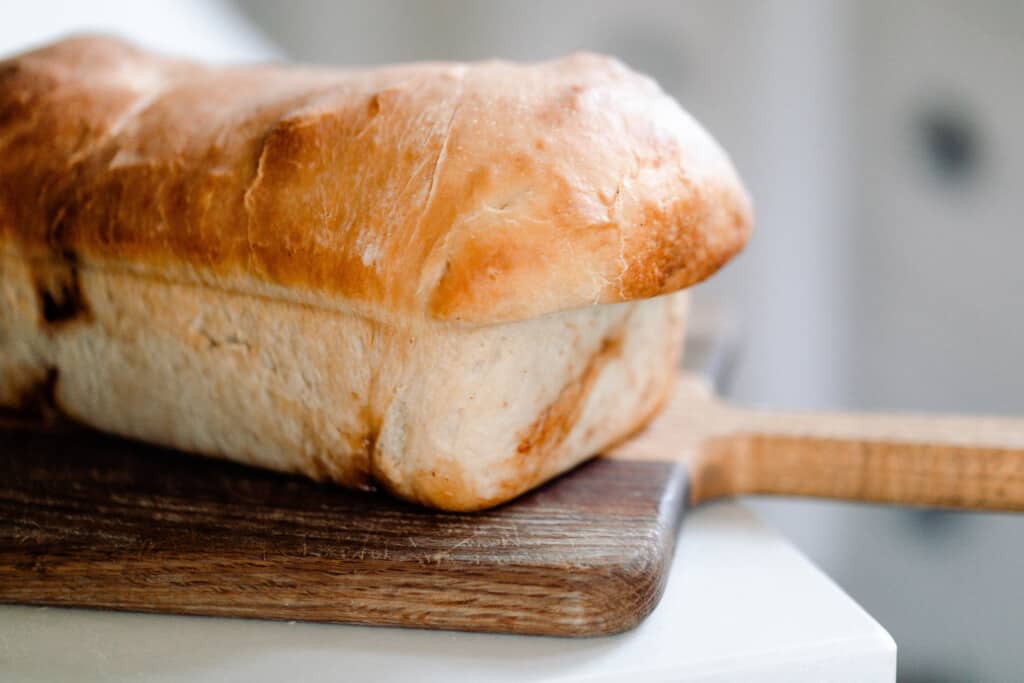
x=479 y=193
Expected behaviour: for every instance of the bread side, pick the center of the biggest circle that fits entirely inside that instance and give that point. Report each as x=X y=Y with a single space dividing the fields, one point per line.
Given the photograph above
x=453 y=416
x=479 y=193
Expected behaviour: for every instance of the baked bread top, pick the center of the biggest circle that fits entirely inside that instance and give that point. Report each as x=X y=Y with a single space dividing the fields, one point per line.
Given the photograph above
x=479 y=193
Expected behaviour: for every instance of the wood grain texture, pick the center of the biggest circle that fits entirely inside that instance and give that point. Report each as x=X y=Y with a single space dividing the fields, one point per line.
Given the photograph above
x=91 y=520
x=962 y=462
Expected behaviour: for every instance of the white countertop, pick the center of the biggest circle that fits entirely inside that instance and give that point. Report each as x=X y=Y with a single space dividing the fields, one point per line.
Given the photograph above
x=741 y=603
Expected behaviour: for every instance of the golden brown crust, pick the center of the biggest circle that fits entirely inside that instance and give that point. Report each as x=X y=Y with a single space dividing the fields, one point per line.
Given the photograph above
x=483 y=193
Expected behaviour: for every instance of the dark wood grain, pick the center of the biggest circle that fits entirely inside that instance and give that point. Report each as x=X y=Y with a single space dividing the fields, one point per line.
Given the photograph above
x=91 y=520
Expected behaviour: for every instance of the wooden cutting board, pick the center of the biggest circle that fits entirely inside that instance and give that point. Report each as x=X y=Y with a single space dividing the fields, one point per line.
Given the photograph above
x=91 y=520
x=95 y=521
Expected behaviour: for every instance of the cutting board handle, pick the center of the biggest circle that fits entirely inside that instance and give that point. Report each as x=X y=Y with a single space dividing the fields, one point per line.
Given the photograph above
x=974 y=463
x=960 y=462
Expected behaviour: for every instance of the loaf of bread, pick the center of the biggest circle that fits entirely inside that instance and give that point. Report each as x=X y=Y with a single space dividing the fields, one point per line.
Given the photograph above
x=450 y=281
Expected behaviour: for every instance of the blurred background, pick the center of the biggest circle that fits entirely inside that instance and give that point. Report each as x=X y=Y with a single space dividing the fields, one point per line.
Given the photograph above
x=884 y=147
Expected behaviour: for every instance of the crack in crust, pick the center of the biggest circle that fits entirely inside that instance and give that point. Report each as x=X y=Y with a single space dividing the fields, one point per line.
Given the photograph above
x=59 y=291
x=556 y=421
x=37 y=402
